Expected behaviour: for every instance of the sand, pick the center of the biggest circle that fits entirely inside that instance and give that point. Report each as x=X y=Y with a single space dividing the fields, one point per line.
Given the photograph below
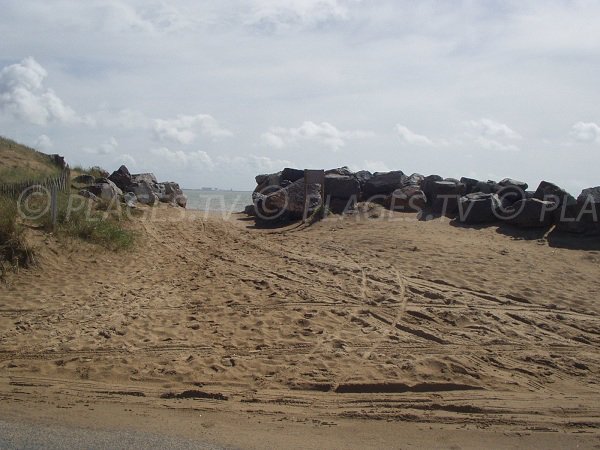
x=389 y=320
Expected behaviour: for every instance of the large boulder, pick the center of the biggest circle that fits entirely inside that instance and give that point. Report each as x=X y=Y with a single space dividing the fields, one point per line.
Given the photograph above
x=291 y=200
x=470 y=184
x=530 y=213
x=584 y=218
x=427 y=185
x=267 y=183
x=408 y=198
x=341 y=186
x=414 y=179
x=292 y=174
x=170 y=192
x=383 y=183
x=551 y=192
x=479 y=207
x=445 y=195
x=121 y=177
x=147 y=177
x=144 y=192
x=105 y=190
x=511 y=191
x=340 y=171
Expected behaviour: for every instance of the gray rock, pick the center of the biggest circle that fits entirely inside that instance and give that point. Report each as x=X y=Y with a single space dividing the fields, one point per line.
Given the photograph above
x=478 y=207
x=130 y=199
x=584 y=218
x=551 y=192
x=267 y=183
x=87 y=194
x=383 y=183
x=341 y=186
x=292 y=174
x=445 y=195
x=291 y=200
x=470 y=184
x=105 y=190
x=340 y=171
x=144 y=193
x=427 y=185
x=530 y=213
x=121 y=177
x=409 y=198
x=147 y=177
x=413 y=180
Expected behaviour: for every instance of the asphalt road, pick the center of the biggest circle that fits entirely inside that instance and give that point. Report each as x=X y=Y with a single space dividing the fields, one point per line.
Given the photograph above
x=34 y=436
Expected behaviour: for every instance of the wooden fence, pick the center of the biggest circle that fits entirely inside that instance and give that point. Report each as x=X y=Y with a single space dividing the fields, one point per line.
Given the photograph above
x=59 y=183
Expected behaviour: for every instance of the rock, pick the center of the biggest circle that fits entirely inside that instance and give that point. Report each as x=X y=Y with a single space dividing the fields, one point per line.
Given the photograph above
x=292 y=174
x=383 y=183
x=413 y=180
x=487 y=187
x=511 y=191
x=291 y=199
x=340 y=171
x=87 y=194
x=147 y=177
x=478 y=207
x=341 y=186
x=530 y=213
x=105 y=190
x=445 y=195
x=170 y=192
x=427 y=185
x=584 y=218
x=409 y=198
x=249 y=210
x=144 y=193
x=84 y=179
x=341 y=205
x=121 y=177
x=267 y=183
x=130 y=199
x=470 y=184
x=363 y=176
x=551 y=192
x=510 y=182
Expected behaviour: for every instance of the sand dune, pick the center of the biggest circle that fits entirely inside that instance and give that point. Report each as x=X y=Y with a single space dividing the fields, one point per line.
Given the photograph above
x=373 y=319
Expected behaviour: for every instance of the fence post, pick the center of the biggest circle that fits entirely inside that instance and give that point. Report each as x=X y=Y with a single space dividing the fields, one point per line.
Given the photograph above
x=53 y=206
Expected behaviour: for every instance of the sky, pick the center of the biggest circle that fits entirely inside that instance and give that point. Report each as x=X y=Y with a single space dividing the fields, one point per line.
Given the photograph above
x=212 y=93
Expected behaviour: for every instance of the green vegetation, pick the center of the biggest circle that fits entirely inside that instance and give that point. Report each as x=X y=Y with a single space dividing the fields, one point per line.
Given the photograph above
x=103 y=224
x=14 y=251
x=95 y=171
x=80 y=218
x=22 y=163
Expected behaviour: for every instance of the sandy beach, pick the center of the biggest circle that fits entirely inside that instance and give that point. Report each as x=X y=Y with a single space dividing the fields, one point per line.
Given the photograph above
x=295 y=336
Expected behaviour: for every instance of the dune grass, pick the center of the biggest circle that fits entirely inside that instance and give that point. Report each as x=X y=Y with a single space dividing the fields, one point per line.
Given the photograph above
x=102 y=224
x=14 y=250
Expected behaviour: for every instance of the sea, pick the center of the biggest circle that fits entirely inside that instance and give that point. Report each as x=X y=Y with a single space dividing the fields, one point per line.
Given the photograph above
x=218 y=201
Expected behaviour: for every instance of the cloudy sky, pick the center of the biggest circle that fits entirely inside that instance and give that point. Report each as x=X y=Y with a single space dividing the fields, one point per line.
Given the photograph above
x=211 y=93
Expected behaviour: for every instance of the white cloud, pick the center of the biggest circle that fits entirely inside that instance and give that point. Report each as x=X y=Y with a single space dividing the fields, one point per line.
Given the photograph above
x=586 y=132
x=106 y=148
x=43 y=143
x=494 y=145
x=185 y=159
x=184 y=129
x=323 y=134
x=493 y=129
x=274 y=15
x=23 y=96
x=409 y=137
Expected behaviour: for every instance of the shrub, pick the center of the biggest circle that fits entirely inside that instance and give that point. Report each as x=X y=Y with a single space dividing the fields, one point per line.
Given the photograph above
x=14 y=251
